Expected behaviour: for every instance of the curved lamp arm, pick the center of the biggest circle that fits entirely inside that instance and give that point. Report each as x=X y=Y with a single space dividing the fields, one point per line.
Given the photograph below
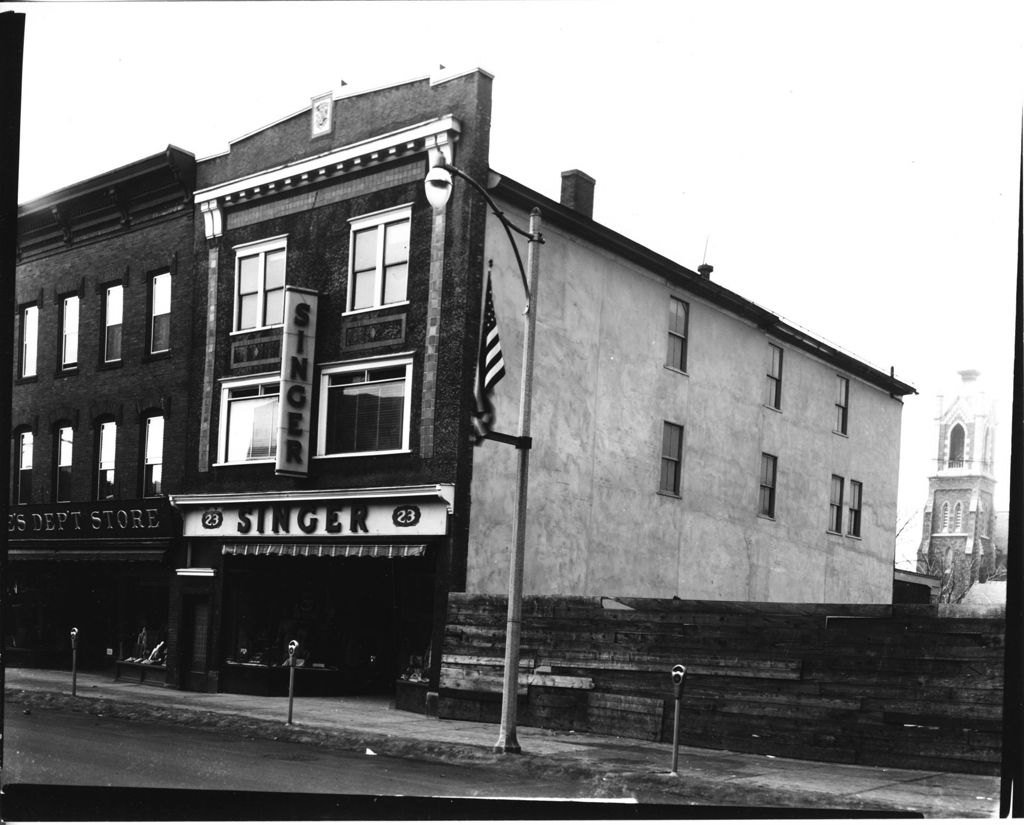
x=505 y=222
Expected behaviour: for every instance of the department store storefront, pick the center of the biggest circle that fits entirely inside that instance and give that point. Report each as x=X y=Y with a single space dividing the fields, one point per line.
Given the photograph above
x=350 y=575
x=101 y=567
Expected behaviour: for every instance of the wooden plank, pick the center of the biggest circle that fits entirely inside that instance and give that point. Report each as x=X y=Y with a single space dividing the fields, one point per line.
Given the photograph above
x=558 y=681
x=618 y=701
x=753 y=608
x=911 y=707
x=623 y=723
x=468 y=677
x=482 y=661
x=457 y=679
x=705 y=665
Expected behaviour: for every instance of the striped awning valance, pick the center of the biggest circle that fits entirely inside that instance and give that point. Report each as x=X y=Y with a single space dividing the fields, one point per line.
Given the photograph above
x=327 y=551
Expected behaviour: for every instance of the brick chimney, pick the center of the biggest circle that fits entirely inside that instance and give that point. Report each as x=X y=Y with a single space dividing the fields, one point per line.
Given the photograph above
x=705 y=270
x=578 y=192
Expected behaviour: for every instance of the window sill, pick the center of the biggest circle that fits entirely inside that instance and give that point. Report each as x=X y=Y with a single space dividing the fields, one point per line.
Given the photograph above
x=65 y=371
x=667 y=494
x=363 y=455
x=111 y=365
x=840 y=434
x=350 y=312
x=833 y=533
x=852 y=536
x=255 y=330
x=27 y=379
x=766 y=517
x=676 y=370
x=256 y=462
x=163 y=355
x=773 y=409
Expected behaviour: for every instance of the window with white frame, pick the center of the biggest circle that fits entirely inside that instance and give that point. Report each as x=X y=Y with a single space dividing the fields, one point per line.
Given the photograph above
x=106 y=460
x=248 y=421
x=153 y=457
x=259 y=284
x=113 y=316
x=379 y=259
x=365 y=408
x=23 y=477
x=160 y=313
x=29 y=340
x=69 y=332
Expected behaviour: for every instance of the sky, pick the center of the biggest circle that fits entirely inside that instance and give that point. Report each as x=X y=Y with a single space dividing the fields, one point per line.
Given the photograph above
x=852 y=167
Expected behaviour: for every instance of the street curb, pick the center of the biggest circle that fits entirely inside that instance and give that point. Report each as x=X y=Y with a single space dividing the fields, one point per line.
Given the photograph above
x=602 y=780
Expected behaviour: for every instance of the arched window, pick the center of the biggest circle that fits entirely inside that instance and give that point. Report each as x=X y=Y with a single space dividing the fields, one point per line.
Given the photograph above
x=956 y=447
x=958 y=518
x=945 y=517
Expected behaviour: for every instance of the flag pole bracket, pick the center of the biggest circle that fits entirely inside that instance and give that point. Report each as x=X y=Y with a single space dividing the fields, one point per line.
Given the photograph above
x=520 y=442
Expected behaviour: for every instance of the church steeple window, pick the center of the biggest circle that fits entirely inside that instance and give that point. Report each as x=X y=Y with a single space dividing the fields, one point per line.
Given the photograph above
x=958 y=518
x=956 y=447
x=945 y=517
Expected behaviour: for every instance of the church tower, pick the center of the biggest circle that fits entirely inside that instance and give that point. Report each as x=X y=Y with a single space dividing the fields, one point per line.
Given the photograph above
x=959 y=519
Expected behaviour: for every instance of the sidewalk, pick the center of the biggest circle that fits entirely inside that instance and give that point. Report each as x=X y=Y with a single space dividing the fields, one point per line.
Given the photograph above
x=612 y=766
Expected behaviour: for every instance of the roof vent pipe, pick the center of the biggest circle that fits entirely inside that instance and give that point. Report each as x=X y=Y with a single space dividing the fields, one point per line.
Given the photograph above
x=705 y=271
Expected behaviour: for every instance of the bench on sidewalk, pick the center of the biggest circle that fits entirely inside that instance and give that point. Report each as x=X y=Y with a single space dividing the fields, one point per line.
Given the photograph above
x=140 y=672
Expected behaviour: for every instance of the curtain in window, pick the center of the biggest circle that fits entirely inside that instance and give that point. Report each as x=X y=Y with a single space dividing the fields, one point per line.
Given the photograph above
x=365 y=417
x=252 y=428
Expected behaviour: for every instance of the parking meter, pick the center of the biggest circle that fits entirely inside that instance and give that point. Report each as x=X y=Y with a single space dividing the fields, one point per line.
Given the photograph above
x=74 y=661
x=678 y=677
x=292 y=647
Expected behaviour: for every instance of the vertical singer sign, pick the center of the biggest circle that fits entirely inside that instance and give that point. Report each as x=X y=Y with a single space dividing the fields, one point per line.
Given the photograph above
x=295 y=403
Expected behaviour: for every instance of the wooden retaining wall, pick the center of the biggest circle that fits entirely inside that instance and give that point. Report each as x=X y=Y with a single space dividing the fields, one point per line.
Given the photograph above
x=883 y=685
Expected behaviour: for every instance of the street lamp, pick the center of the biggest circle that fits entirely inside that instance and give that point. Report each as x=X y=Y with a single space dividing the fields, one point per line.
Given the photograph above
x=438 y=184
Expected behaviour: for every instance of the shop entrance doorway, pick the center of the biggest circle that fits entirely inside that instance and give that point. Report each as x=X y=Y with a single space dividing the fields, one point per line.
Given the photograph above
x=194 y=648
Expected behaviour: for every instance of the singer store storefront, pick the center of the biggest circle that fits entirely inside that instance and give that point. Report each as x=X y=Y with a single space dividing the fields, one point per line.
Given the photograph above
x=350 y=575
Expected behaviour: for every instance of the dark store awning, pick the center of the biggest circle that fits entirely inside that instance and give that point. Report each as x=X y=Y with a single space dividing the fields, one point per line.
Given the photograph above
x=328 y=551
x=84 y=551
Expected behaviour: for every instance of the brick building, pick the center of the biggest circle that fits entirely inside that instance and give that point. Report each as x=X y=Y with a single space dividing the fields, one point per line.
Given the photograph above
x=345 y=534
x=686 y=441
x=102 y=326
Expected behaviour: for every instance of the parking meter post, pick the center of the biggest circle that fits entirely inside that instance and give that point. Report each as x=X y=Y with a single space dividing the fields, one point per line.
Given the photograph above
x=292 y=646
x=678 y=677
x=74 y=661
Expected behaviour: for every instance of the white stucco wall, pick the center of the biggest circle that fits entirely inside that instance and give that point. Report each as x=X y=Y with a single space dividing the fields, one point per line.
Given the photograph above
x=596 y=522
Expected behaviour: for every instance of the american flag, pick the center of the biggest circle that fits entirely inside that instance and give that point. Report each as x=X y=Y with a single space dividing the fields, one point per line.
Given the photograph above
x=490 y=368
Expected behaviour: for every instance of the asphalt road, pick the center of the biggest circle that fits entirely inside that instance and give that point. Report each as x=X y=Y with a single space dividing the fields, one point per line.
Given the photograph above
x=56 y=747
